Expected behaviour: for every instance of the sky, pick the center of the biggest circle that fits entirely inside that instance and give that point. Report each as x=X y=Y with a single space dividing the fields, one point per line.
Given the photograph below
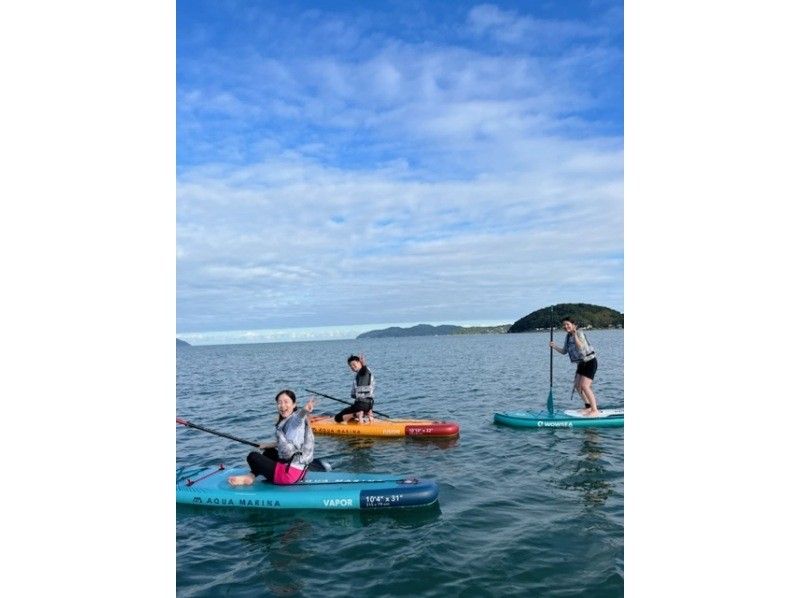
x=348 y=165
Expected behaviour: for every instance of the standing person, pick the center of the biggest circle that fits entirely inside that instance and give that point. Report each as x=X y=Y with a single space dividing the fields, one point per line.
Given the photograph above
x=582 y=353
x=362 y=392
x=285 y=461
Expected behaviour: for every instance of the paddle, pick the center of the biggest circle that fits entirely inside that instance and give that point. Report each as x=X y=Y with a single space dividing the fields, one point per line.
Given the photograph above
x=341 y=401
x=198 y=427
x=550 y=396
x=318 y=462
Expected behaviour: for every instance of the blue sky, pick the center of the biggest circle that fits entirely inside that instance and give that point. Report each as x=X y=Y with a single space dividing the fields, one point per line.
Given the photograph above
x=347 y=164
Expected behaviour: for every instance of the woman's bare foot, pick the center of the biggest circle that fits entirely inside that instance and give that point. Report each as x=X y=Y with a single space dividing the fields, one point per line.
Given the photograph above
x=241 y=480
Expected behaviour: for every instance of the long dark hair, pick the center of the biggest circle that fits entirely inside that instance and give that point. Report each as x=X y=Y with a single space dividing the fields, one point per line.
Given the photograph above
x=291 y=395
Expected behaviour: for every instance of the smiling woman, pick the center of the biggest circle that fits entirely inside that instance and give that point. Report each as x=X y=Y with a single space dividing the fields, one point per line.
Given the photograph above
x=285 y=462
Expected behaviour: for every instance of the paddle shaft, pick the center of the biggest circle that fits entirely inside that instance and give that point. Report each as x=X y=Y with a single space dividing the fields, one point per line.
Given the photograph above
x=191 y=425
x=550 y=395
x=318 y=462
x=551 y=359
x=341 y=401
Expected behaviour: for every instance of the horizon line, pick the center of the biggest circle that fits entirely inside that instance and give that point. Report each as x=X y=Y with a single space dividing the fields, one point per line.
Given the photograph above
x=309 y=333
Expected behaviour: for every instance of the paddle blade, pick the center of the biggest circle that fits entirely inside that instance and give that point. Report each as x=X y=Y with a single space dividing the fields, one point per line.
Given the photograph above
x=550 y=401
x=319 y=465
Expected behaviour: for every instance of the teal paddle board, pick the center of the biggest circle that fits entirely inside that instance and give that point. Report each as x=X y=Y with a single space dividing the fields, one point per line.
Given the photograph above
x=208 y=486
x=570 y=418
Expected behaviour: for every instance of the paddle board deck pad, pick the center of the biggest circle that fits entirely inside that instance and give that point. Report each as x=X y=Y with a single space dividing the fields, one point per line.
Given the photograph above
x=394 y=428
x=331 y=490
x=570 y=418
x=603 y=413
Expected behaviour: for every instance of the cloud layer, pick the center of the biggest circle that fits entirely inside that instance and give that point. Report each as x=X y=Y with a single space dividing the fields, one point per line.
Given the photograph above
x=352 y=167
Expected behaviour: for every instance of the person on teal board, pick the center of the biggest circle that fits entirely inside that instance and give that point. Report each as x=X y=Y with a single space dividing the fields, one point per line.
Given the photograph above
x=286 y=461
x=582 y=353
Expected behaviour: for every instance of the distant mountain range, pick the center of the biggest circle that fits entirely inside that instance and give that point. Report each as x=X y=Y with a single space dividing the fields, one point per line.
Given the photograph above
x=428 y=330
x=585 y=314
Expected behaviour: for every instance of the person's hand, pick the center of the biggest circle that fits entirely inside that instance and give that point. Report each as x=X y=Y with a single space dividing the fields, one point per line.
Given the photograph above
x=309 y=407
x=265 y=445
x=552 y=344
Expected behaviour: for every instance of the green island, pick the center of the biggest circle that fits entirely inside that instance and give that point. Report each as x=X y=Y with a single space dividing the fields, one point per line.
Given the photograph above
x=585 y=314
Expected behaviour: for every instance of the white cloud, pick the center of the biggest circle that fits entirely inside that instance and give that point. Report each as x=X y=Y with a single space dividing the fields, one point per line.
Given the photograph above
x=410 y=182
x=510 y=27
x=399 y=242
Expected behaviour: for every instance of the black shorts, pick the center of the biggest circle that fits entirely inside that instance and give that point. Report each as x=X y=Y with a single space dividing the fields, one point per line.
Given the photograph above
x=354 y=408
x=587 y=368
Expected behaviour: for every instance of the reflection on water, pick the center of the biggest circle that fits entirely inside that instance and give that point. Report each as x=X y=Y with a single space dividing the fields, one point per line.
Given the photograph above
x=284 y=545
x=440 y=443
x=401 y=518
x=281 y=546
x=588 y=475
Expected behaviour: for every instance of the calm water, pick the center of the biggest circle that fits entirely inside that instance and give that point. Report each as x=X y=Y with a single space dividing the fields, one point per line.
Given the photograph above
x=521 y=512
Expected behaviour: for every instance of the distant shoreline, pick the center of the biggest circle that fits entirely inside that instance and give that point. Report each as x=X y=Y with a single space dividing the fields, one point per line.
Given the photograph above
x=353 y=339
x=429 y=330
x=588 y=316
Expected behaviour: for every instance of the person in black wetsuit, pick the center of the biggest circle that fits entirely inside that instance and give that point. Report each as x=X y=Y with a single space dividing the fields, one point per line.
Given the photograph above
x=362 y=392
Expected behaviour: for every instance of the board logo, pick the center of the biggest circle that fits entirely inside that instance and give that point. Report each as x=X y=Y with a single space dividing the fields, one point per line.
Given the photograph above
x=337 y=502
x=219 y=501
x=544 y=424
x=343 y=430
x=257 y=502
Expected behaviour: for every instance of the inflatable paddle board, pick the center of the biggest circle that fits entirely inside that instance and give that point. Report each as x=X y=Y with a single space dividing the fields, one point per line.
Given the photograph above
x=336 y=490
x=326 y=425
x=570 y=418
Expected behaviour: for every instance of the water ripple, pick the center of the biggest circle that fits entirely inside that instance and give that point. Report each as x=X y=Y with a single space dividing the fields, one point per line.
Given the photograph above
x=520 y=512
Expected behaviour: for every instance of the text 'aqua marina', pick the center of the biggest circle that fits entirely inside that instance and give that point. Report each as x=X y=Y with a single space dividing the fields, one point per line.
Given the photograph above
x=242 y=502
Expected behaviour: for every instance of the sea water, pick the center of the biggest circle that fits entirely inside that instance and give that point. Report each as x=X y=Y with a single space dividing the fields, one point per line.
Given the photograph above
x=521 y=512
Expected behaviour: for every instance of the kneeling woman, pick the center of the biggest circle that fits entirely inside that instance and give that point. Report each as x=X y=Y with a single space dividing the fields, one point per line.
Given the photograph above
x=287 y=461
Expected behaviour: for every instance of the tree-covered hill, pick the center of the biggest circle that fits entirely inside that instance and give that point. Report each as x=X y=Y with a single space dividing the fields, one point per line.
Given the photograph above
x=584 y=314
